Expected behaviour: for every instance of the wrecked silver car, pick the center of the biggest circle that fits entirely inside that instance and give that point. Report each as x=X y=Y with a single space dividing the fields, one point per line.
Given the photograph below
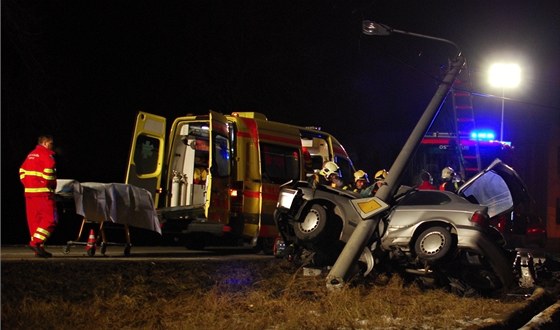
x=427 y=233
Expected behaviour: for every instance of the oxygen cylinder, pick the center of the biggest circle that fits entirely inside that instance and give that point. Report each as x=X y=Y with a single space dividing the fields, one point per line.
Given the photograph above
x=184 y=185
x=175 y=189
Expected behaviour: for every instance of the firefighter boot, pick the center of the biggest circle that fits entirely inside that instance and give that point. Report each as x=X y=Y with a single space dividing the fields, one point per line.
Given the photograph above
x=40 y=251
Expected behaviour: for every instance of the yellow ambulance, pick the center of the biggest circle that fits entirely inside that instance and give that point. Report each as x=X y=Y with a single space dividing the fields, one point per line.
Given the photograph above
x=216 y=179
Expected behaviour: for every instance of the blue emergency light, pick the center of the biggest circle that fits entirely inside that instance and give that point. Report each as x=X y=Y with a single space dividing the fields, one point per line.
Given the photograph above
x=485 y=135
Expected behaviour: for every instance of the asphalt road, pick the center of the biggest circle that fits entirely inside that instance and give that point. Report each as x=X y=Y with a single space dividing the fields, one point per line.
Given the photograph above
x=139 y=253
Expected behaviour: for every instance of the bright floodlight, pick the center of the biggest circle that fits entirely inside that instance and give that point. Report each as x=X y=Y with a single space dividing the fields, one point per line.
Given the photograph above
x=504 y=75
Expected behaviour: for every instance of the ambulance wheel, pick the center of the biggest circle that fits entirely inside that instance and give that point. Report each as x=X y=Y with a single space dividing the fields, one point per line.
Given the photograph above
x=127 y=250
x=91 y=252
x=266 y=245
x=103 y=248
x=197 y=242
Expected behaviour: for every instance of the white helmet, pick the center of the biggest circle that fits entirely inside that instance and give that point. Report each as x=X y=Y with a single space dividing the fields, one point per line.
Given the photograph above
x=381 y=175
x=360 y=175
x=447 y=173
x=329 y=168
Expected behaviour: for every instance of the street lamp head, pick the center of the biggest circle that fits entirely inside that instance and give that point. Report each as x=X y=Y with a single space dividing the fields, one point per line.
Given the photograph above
x=371 y=28
x=504 y=75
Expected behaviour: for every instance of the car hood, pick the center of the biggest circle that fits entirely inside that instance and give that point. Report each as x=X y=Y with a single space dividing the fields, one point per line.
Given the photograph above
x=498 y=187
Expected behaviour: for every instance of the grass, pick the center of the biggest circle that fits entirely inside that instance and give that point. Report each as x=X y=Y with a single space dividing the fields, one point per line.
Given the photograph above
x=270 y=294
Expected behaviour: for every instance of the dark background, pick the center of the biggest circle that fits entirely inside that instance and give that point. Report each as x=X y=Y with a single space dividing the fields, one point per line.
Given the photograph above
x=81 y=70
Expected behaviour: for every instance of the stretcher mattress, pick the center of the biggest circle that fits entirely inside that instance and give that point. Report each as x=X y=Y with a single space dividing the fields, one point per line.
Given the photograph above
x=116 y=202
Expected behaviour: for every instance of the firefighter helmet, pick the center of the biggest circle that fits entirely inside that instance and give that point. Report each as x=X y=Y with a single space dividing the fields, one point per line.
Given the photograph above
x=381 y=175
x=447 y=173
x=361 y=175
x=330 y=168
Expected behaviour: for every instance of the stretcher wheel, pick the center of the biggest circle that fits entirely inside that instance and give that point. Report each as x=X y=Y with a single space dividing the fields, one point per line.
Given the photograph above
x=66 y=249
x=91 y=252
x=103 y=248
x=127 y=248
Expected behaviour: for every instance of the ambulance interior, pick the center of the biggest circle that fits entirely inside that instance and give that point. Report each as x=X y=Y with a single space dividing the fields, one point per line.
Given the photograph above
x=318 y=150
x=189 y=164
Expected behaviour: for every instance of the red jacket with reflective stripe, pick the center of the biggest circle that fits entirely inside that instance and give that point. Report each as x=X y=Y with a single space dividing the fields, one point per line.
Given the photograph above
x=38 y=172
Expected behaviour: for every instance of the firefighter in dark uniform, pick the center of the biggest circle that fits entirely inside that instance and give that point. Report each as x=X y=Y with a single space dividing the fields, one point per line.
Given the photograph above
x=329 y=175
x=379 y=180
x=362 y=185
x=38 y=176
x=361 y=181
x=450 y=180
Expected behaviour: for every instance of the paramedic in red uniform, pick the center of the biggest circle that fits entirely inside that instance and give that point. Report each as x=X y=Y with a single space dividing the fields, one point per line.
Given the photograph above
x=38 y=176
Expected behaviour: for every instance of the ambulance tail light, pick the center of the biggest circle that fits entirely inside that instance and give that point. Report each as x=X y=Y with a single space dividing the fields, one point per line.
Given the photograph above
x=236 y=198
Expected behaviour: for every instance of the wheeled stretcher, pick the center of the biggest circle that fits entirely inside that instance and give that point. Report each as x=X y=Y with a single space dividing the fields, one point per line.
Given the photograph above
x=108 y=204
x=99 y=241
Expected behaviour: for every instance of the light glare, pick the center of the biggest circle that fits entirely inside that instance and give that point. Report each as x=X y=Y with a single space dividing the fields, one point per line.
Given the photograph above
x=504 y=75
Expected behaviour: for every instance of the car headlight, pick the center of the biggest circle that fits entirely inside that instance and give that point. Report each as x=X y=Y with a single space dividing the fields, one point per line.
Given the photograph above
x=286 y=198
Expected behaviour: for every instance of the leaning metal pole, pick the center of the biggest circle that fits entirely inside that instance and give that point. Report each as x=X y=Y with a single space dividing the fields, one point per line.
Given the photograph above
x=351 y=252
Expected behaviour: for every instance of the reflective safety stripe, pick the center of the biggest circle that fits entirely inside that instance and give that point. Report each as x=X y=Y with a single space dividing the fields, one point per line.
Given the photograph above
x=38 y=190
x=43 y=231
x=39 y=236
x=47 y=175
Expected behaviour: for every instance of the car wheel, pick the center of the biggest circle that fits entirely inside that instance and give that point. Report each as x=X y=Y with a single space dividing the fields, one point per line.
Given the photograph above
x=433 y=244
x=314 y=225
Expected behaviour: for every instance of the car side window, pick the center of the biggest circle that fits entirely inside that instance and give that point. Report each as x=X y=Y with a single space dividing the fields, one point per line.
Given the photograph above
x=425 y=198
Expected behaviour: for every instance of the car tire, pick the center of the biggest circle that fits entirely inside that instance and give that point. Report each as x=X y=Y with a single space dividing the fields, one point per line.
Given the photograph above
x=433 y=244
x=314 y=226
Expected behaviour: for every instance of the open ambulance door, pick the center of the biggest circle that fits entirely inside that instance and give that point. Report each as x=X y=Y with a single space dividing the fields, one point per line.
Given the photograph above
x=146 y=154
x=218 y=179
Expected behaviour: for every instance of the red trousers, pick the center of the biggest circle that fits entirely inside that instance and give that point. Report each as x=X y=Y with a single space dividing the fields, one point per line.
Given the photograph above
x=42 y=217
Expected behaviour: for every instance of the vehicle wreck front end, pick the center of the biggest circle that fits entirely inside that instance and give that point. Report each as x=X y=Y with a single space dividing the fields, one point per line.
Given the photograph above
x=318 y=218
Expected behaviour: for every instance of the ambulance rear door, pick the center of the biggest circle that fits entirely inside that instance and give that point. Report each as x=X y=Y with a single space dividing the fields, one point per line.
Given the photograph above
x=218 y=179
x=145 y=161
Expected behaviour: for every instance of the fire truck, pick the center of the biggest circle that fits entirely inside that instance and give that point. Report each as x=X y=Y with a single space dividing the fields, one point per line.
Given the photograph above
x=457 y=141
x=216 y=179
x=465 y=155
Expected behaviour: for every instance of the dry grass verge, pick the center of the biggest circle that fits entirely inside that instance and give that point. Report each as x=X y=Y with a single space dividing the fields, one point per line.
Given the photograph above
x=244 y=295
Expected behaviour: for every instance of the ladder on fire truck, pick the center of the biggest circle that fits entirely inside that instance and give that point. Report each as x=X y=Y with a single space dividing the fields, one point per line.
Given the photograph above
x=468 y=148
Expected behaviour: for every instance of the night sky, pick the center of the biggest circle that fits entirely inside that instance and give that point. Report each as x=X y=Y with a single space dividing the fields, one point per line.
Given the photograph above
x=81 y=70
